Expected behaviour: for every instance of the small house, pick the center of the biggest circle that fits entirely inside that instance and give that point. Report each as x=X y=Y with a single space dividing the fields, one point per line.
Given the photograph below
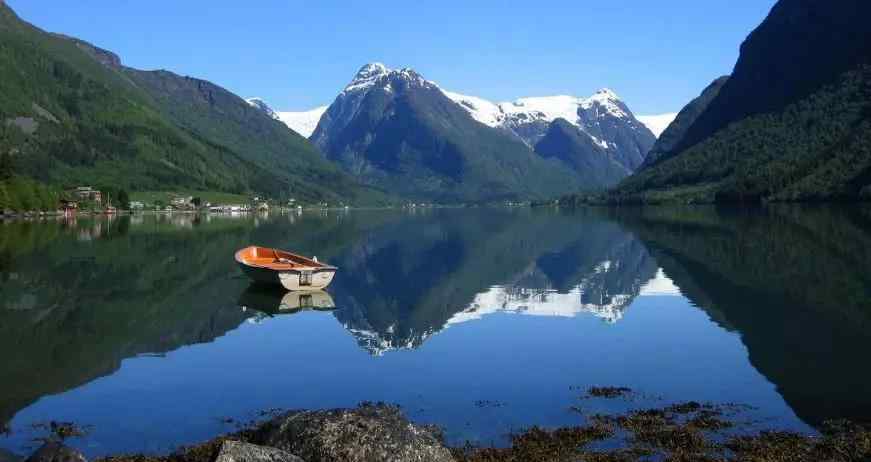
x=87 y=193
x=68 y=205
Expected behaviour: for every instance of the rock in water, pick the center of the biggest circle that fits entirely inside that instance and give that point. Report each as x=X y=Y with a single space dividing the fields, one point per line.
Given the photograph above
x=53 y=451
x=372 y=432
x=237 y=451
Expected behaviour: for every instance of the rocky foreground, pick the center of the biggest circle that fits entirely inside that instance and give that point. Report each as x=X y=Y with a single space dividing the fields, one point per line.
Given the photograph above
x=378 y=432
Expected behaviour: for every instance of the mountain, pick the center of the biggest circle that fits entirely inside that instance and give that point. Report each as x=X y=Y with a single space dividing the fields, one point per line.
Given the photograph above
x=396 y=130
x=602 y=118
x=674 y=132
x=801 y=46
x=657 y=123
x=73 y=114
x=790 y=124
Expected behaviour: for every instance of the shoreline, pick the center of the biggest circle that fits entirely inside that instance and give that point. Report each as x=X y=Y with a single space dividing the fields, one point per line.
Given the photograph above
x=685 y=431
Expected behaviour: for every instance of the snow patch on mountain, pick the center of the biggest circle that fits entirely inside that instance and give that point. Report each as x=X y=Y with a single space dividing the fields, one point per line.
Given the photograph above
x=541 y=108
x=518 y=115
x=480 y=109
x=303 y=122
x=657 y=123
x=547 y=108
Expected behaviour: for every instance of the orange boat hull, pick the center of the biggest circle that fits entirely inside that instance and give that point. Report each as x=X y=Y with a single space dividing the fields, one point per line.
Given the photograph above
x=293 y=272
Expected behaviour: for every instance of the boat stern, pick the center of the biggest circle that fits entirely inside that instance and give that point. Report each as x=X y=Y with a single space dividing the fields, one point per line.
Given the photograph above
x=305 y=279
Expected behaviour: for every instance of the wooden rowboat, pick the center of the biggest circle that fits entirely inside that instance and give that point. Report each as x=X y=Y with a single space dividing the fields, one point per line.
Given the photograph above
x=294 y=272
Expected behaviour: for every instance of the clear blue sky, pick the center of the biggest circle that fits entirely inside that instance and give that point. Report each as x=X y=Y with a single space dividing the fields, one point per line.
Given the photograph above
x=300 y=54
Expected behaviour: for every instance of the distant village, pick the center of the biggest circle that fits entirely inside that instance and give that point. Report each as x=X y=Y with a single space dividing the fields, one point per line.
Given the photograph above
x=87 y=199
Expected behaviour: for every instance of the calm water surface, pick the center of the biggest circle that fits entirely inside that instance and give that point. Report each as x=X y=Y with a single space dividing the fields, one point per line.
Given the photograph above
x=482 y=321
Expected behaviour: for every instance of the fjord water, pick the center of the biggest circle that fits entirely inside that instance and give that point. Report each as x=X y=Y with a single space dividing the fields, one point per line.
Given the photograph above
x=482 y=321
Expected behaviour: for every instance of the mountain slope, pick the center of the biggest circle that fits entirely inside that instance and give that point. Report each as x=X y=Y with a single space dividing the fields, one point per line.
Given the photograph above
x=592 y=163
x=816 y=149
x=677 y=129
x=258 y=103
x=790 y=124
x=67 y=119
x=801 y=46
x=394 y=129
x=216 y=114
x=71 y=114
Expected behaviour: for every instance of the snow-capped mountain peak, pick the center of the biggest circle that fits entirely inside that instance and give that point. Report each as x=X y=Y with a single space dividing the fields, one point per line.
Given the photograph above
x=377 y=75
x=606 y=93
x=367 y=76
x=609 y=101
x=260 y=104
x=371 y=70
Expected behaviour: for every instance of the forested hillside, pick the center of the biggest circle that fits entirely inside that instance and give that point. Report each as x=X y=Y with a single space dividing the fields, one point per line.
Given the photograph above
x=801 y=46
x=792 y=122
x=68 y=116
x=816 y=149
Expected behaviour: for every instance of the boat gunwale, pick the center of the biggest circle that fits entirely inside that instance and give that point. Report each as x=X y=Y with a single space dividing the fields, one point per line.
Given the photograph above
x=314 y=266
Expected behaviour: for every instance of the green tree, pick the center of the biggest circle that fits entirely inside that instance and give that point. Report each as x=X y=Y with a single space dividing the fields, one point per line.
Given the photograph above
x=7 y=169
x=123 y=199
x=46 y=198
x=197 y=202
x=4 y=198
x=24 y=198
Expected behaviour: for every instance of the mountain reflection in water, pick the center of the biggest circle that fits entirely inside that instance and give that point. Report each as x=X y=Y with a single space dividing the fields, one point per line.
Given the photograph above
x=79 y=297
x=400 y=286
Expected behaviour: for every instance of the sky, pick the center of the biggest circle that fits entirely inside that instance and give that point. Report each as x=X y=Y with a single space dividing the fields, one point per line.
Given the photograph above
x=297 y=55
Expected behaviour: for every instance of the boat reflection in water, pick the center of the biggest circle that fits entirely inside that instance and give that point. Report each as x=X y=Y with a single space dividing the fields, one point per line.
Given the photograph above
x=273 y=301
